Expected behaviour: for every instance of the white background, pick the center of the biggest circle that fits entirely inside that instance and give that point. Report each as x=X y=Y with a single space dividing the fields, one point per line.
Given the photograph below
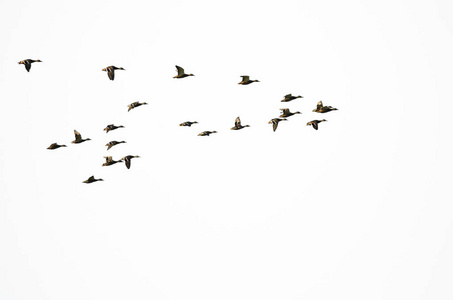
x=360 y=209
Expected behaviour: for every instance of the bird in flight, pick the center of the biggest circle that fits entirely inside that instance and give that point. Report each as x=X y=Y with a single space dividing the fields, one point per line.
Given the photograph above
x=238 y=125
x=246 y=80
x=27 y=63
x=111 y=71
x=181 y=73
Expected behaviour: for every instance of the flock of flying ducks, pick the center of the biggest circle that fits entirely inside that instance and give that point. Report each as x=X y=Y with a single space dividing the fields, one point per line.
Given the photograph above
x=285 y=113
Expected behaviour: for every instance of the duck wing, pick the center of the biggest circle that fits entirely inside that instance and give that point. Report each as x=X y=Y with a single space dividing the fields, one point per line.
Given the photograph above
x=237 y=122
x=111 y=73
x=180 y=70
x=245 y=78
x=78 y=136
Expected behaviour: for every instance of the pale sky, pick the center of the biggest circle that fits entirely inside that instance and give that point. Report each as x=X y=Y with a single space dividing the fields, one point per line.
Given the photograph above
x=360 y=209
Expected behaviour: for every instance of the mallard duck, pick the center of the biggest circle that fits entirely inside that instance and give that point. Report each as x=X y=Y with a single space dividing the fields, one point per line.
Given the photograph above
x=238 y=125
x=109 y=161
x=55 y=146
x=181 y=73
x=188 y=123
x=206 y=133
x=78 y=138
x=323 y=109
x=135 y=104
x=127 y=160
x=111 y=71
x=290 y=97
x=113 y=143
x=275 y=122
x=112 y=127
x=91 y=180
x=246 y=80
x=286 y=113
x=27 y=63
x=315 y=123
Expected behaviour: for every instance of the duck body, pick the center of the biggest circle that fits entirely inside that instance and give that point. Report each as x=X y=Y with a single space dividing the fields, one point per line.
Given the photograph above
x=78 y=138
x=275 y=122
x=315 y=123
x=238 y=125
x=290 y=97
x=109 y=161
x=181 y=73
x=127 y=160
x=135 y=104
x=112 y=127
x=246 y=80
x=286 y=113
x=320 y=108
x=92 y=179
x=55 y=146
x=27 y=63
x=206 y=133
x=188 y=123
x=113 y=143
x=111 y=71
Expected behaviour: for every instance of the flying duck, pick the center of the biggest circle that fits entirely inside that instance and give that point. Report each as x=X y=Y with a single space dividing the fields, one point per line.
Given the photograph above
x=55 y=146
x=91 y=180
x=323 y=109
x=246 y=80
x=109 y=161
x=181 y=73
x=135 y=104
x=188 y=123
x=78 y=138
x=113 y=143
x=290 y=97
x=238 y=125
x=127 y=160
x=286 y=113
x=275 y=122
x=206 y=133
x=315 y=123
x=112 y=127
x=27 y=63
x=111 y=71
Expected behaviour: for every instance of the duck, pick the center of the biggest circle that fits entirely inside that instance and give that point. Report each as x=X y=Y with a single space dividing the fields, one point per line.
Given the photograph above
x=315 y=123
x=320 y=108
x=246 y=80
x=290 y=97
x=112 y=127
x=127 y=160
x=109 y=161
x=181 y=73
x=188 y=123
x=78 y=138
x=286 y=113
x=92 y=179
x=27 y=63
x=275 y=122
x=113 y=143
x=55 y=146
x=134 y=105
x=238 y=125
x=206 y=133
x=111 y=71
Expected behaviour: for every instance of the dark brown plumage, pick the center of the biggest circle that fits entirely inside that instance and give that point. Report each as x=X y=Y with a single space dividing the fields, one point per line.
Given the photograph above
x=27 y=63
x=238 y=125
x=246 y=80
x=111 y=71
x=55 y=146
x=315 y=123
x=181 y=73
